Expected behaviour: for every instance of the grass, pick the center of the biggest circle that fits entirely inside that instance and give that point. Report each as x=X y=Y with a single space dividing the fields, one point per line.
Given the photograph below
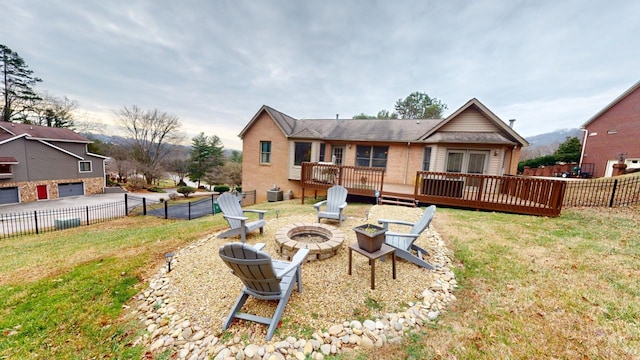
x=530 y=287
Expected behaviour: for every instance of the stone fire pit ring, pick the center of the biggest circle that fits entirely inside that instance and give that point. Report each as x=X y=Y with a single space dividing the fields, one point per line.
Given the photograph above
x=287 y=246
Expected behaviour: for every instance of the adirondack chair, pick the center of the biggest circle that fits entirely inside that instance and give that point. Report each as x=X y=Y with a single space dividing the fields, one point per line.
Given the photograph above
x=233 y=212
x=263 y=278
x=404 y=242
x=335 y=203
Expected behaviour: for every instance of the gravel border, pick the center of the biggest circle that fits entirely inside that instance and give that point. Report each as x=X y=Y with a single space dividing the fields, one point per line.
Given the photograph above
x=200 y=290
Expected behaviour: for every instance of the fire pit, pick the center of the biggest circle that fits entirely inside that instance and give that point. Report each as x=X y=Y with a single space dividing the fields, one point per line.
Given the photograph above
x=322 y=240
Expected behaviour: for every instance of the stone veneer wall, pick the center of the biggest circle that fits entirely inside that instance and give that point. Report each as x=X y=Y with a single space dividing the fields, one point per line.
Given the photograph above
x=28 y=189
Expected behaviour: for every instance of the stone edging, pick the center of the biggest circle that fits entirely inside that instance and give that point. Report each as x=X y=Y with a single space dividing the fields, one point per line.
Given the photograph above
x=168 y=330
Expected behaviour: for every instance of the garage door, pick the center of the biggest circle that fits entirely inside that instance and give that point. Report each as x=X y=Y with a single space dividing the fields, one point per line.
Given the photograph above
x=9 y=195
x=71 y=189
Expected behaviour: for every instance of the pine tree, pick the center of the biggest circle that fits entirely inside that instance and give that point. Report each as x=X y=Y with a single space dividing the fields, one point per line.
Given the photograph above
x=17 y=85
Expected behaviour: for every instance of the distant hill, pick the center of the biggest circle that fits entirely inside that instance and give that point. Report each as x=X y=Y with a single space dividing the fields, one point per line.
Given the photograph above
x=547 y=144
x=183 y=150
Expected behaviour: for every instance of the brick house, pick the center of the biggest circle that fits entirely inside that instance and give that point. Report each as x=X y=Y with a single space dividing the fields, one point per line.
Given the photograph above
x=612 y=135
x=39 y=163
x=471 y=140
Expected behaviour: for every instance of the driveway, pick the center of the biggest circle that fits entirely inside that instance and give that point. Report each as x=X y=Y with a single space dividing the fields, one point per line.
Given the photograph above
x=81 y=201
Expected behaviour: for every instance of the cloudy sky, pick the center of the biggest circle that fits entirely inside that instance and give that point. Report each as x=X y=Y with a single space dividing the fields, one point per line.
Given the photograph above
x=549 y=64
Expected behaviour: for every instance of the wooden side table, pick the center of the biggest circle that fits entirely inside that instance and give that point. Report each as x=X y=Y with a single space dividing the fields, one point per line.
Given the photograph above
x=384 y=251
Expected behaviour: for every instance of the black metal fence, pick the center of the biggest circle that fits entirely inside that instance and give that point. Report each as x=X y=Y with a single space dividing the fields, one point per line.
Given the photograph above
x=41 y=221
x=609 y=192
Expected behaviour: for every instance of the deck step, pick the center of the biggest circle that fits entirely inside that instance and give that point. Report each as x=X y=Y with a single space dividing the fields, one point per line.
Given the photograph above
x=396 y=200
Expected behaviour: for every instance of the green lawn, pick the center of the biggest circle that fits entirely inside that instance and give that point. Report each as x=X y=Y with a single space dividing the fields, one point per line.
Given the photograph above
x=530 y=287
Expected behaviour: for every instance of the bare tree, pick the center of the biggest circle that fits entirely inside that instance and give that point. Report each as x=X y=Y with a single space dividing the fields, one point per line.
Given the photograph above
x=53 y=111
x=178 y=168
x=152 y=132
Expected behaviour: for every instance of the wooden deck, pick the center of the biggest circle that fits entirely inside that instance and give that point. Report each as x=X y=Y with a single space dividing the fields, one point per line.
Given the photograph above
x=512 y=194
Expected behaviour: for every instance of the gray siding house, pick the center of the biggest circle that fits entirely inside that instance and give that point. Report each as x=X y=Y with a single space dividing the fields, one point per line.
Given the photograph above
x=39 y=163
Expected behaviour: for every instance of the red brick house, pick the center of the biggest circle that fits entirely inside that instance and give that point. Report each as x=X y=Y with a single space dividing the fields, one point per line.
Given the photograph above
x=471 y=140
x=613 y=134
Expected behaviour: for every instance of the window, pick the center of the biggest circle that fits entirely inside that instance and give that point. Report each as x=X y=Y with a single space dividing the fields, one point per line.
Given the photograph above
x=265 y=152
x=372 y=156
x=303 y=153
x=85 y=166
x=323 y=149
x=426 y=159
x=5 y=169
x=454 y=161
x=467 y=161
x=338 y=155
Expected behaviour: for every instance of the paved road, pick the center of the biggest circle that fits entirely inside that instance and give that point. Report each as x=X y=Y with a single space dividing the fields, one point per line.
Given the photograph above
x=81 y=201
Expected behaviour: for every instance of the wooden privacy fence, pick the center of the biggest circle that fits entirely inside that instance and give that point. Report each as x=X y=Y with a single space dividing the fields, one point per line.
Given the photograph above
x=513 y=194
x=609 y=192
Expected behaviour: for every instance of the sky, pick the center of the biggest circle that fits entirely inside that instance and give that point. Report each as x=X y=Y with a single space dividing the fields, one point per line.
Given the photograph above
x=548 y=64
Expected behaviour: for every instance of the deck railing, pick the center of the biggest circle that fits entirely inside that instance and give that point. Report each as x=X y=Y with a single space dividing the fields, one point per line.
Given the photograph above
x=513 y=194
x=359 y=180
x=522 y=195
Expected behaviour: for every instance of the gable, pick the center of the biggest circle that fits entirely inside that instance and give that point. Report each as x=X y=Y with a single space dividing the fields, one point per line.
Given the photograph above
x=629 y=99
x=470 y=120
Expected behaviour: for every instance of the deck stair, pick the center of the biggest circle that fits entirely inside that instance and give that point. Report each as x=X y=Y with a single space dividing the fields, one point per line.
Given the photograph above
x=397 y=199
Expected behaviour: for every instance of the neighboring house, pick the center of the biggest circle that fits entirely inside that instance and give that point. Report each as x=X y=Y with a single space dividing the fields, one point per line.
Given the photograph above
x=39 y=162
x=613 y=134
x=471 y=140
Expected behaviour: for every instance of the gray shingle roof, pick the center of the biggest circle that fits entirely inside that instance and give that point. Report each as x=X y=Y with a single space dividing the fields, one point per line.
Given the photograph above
x=389 y=130
x=363 y=129
x=469 y=137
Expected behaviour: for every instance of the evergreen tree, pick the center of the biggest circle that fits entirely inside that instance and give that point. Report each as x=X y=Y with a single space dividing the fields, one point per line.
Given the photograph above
x=17 y=86
x=569 y=151
x=206 y=154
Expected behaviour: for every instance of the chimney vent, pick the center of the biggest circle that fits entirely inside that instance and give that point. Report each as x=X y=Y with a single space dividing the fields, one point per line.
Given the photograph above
x=511 y=121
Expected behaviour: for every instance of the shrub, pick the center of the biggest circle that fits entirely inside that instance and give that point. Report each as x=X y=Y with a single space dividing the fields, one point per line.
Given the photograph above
x=186 y=190
x=181 y=183
x=221 y=188
x=537 y=162
x=239 y=188
x=111 y=182
x=173 y=196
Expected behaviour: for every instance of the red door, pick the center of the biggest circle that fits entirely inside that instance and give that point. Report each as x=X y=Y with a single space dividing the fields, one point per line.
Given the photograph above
x=42 y=192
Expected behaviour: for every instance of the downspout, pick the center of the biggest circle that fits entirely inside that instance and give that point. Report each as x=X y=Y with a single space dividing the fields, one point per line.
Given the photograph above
x=513 y=151
x=584 y=145
x=406 y=163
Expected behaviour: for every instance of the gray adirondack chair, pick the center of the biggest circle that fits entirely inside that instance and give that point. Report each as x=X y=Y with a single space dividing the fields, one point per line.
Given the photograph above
x=263 y=278
x=233 y=212
x=404 y=242
x=335 y=203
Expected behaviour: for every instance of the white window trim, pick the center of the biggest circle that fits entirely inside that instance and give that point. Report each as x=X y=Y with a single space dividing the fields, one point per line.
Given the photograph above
x=80 y=166
x=270 y=152
x=465 y=159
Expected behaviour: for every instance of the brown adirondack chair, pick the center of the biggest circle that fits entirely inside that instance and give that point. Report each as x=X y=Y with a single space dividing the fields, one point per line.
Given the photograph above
x=263 y=278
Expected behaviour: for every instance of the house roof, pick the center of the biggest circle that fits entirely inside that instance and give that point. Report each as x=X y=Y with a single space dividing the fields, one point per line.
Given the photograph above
x=470 y=137
x=611 y=104
x=8 y=160
x=513 y=137
x=390 y=130
x=40 y=133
